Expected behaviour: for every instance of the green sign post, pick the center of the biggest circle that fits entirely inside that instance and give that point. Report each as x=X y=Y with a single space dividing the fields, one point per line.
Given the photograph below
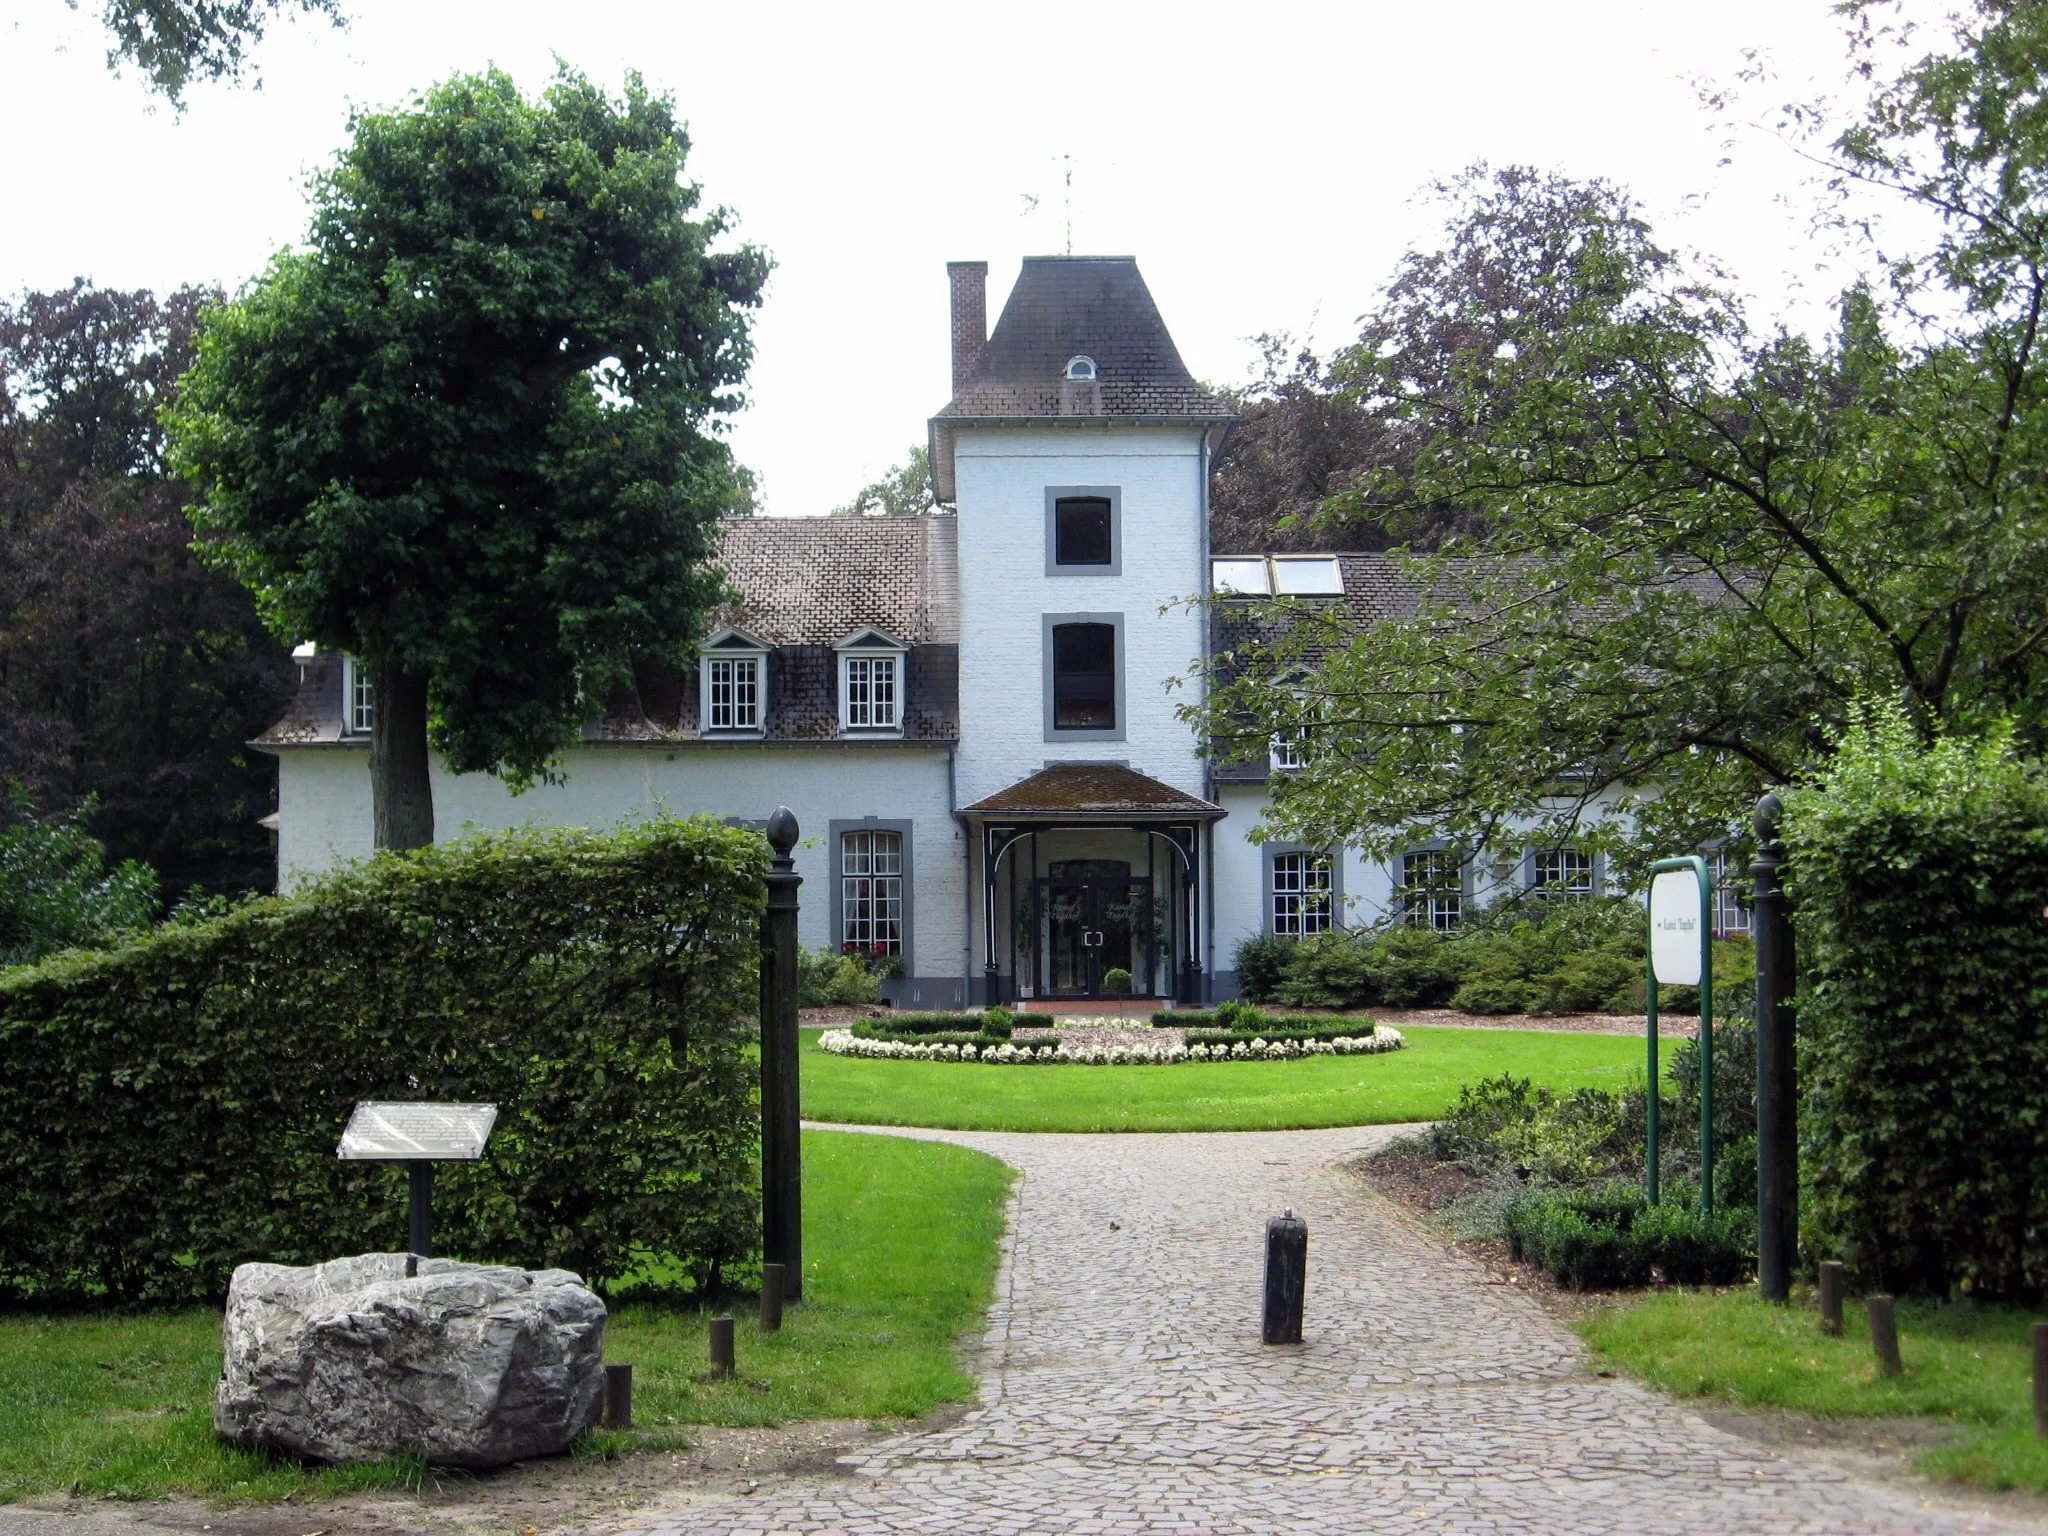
x=1680 y=953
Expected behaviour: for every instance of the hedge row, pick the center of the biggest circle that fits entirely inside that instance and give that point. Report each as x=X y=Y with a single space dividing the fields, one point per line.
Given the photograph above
x=1921 y=884
x=171 y=1108
x=1363 y=1029
x=1606 y=1239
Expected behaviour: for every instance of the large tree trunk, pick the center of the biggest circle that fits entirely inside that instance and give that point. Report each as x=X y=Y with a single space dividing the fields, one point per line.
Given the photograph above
x=401 y=794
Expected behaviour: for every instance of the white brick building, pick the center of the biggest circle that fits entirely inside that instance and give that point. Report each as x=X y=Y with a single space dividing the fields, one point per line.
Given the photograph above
x=969 y=713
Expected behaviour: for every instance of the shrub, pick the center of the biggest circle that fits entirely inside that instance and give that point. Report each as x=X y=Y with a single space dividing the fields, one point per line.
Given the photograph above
x=814 y=972
x=1583 y=983
x=1921 y=876
x=170 y=1109
x=1116 y=979
x=1281 y=1030
x=1329 y=970
x=1606 y=1238
x=56 y=890
x=1261 y=961
x=852 y=984
x=1495 y=985
x=1414 y=967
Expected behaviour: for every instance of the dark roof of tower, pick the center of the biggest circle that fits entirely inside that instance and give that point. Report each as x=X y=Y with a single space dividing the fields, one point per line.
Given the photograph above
x=1088 y=306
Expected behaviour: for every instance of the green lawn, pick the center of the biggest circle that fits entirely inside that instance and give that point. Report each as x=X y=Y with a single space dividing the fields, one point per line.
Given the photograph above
x=1965 y=1364
x=900 y=1238
x=1417 y=1082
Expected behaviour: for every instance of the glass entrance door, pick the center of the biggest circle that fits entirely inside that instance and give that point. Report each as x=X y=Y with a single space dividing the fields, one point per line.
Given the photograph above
x=1094 y=927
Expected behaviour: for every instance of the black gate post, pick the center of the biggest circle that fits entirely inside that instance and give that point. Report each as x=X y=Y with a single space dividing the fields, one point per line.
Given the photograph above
x=1777 y=1102
x=782 y=1198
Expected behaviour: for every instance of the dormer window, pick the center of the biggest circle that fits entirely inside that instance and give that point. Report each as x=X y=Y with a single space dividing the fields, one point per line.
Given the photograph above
x=871 y=683
x=358 y=698
x=1081 y=369
x=734 y=684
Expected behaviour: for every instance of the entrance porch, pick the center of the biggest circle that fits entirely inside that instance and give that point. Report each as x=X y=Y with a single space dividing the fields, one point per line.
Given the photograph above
x=1090 y=890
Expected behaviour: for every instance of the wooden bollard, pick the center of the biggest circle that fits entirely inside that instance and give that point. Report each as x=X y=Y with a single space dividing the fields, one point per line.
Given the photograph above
x=1832 y=1274
x=721 y=1346
x=2041 y=1380
x=618 y=1398
x=773 y=1279
x=1884 y=1335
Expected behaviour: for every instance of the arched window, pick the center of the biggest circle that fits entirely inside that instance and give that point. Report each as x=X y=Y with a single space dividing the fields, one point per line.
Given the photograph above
x=1081 y=369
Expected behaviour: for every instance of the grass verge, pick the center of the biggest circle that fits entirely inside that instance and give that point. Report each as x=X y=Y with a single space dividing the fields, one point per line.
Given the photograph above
x=1418 y=1082
x=1966 y=1364
x=901 y=1242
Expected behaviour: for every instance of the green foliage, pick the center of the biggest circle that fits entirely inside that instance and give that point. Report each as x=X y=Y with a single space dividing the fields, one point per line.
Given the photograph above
x=852 y=984
x=1606 y=1238
x=814 y=972
x=905 y=491
x=1698 y=537
x=56 y=891
x=1261 y=962
x=990 y=1027
x=1281 y=1029
x=463 y=434
x=170 y=1108
x=1116 y=979
x=1921 y=882
x=174 y=42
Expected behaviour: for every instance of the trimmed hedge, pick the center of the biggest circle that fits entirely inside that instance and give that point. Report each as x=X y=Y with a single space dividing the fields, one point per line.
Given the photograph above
x=943 y=1036
x=1920 y=883
x=1606 y=1239
x=170 y=1109
x=995 y=1023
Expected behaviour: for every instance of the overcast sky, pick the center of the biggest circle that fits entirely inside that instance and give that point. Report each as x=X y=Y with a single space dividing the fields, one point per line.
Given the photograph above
x=1261 y=161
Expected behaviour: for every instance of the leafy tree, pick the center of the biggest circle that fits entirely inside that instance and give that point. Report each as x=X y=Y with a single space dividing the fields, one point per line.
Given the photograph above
x=1704 y=542
x=464 y=435
x=175 y=41
x=56 y=889
x=905 y=491
x=1299 y=440
x=130 y=672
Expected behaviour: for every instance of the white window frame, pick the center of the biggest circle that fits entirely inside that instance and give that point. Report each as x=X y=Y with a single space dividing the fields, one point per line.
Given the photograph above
x=1432 y=904
x=1286 y=749
x=1572 y=874
x=719 y=653
x=358 y=699
x=1304 y=894
x=1731 y=916
x=871 y=874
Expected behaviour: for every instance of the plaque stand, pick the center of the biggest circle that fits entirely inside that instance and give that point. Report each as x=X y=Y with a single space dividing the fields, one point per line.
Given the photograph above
x=422 y=1180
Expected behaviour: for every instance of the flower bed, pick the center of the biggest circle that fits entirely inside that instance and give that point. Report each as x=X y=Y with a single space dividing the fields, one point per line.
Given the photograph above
x=843 y=1042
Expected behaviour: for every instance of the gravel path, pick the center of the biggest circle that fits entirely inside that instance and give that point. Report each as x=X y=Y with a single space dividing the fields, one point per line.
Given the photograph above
x=1125 y=1389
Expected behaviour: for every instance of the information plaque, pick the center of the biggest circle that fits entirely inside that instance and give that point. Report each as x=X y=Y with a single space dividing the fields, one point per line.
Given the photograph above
x=1677 y=937
x=405 y=1133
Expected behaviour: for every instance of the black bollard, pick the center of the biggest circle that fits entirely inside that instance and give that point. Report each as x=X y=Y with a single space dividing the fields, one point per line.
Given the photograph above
x=1832 y=1274
x=618 y=1398
x=1884 y=1335
x=721 y=1346
x=1286 y=1276
x=771 y=1297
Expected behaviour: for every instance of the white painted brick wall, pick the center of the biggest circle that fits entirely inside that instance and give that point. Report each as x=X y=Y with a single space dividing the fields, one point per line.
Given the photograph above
x=1005 y=592
x=324 y=800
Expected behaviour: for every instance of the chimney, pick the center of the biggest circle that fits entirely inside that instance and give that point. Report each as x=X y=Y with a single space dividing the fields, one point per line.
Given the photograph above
x=970 y=317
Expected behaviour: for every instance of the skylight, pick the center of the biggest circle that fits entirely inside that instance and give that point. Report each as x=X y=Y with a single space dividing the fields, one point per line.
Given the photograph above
x=1313 y=576
x=1240 y=578
x=1277 y=576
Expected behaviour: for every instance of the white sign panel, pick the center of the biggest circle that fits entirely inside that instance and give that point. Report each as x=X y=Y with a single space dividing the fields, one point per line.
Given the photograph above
x=418 y=1132
x=1675 y=936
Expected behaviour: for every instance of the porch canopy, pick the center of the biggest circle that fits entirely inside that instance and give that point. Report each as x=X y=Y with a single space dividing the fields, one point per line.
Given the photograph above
x=1089 y=886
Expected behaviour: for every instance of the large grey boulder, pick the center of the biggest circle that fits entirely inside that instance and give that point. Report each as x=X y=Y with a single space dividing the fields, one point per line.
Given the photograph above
x=468 y=1365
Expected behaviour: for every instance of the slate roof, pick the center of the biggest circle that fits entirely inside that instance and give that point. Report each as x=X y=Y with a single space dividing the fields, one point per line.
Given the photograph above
x=1093 y=306
x=808 y=583
x=814 y=580
x=1093 y=792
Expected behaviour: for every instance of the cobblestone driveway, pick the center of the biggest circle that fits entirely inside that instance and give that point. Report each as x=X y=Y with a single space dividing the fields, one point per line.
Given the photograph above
x=1124 y=1388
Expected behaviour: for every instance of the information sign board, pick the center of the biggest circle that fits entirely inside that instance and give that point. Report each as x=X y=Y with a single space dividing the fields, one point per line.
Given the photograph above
x=417 y=1132
x=1676 y=940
